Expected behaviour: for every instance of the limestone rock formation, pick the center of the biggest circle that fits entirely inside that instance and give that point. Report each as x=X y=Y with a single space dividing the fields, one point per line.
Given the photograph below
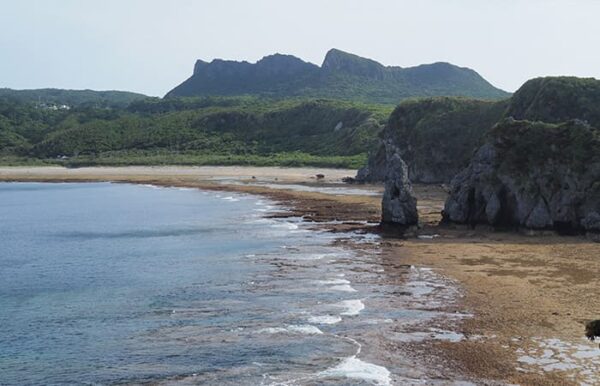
x=436 y=137
x=534 y=175
x=399 y=205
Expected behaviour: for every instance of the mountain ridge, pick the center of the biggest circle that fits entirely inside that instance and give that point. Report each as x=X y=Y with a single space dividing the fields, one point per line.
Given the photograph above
x=341 y=75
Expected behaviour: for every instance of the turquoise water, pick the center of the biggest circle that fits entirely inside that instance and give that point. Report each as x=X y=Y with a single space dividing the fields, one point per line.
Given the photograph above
x=113 y=283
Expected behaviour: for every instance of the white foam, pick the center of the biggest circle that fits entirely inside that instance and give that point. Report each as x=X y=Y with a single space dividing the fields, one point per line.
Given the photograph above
x=286 y=225
x=230 y=198
x=325 y=319
x=334 y=281
x=304 y=329
x=428 y=237
x=352 y=307
x=343 y=288
x=354 y=368
x=379 y=321
x=312 y=256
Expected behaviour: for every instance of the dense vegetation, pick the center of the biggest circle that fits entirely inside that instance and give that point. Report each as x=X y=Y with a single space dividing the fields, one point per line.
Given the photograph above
x=341 y=76
x=557 y=99
x=436 y=137
x=52 y=97
x=212 y=130
x=523 y=146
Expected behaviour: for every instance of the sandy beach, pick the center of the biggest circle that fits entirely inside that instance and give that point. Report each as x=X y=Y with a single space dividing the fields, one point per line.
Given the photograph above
x=525 y=297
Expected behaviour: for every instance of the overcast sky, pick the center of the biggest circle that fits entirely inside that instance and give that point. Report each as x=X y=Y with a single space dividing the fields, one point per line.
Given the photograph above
x=150 y=46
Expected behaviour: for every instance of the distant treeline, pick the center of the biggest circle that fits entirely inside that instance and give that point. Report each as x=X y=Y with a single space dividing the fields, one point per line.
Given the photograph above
x=204 y=130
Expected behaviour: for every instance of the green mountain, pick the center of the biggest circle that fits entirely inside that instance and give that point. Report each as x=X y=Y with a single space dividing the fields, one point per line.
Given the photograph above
x=52 y=97
x=341 y=76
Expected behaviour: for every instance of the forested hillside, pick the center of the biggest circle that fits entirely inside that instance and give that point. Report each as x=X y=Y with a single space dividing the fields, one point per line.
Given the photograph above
x=213 y=130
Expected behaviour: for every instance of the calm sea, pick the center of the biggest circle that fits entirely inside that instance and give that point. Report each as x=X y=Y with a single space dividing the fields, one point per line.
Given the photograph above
x=113 y=283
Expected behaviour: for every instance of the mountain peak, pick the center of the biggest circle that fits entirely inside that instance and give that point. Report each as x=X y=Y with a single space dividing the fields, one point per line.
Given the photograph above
x=284 y=64
x=338 y=60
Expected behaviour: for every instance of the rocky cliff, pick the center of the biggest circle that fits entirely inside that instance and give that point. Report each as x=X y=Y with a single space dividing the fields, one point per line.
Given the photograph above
x=534 y=175
x=435 y=137
x=341 y=76
x=539 y=171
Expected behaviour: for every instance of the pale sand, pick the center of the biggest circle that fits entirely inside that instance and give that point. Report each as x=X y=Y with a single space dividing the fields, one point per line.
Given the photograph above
x=523 y=291
x=200 y=172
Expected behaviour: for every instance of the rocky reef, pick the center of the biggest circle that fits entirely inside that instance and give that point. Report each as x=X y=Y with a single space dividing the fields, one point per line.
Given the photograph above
x=534 y=175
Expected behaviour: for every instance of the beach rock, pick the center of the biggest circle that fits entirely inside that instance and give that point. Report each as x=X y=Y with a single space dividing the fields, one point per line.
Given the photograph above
x=399 y=205
x=533 y=175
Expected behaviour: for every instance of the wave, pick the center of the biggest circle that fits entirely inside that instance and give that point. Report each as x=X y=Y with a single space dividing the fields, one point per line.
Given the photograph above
x=286 y=225
x=355 y=368
x=325 y=319
x=352 y=307
x=343 y=288
x=334 y=281
x=305 y=329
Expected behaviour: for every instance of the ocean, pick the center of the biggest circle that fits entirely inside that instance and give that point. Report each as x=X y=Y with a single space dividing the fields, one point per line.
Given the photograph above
x=105 y=283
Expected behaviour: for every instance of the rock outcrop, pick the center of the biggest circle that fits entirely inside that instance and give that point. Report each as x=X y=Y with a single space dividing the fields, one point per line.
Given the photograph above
x=435 y=137
x=557 y=99
x=399 y=205
x=534 y=175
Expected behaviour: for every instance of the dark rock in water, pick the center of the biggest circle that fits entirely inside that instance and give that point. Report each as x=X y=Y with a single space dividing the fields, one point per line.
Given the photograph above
x=592 y=329
x=435 y=137
x=320 y=176
x=533 y=175
x=348 y=180
x=399 y=205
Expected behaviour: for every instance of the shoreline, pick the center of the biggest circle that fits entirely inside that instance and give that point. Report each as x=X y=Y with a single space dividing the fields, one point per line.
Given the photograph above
x=524 y=292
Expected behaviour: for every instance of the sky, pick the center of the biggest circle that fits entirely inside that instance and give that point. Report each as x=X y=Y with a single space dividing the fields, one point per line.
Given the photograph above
x=150 y=46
